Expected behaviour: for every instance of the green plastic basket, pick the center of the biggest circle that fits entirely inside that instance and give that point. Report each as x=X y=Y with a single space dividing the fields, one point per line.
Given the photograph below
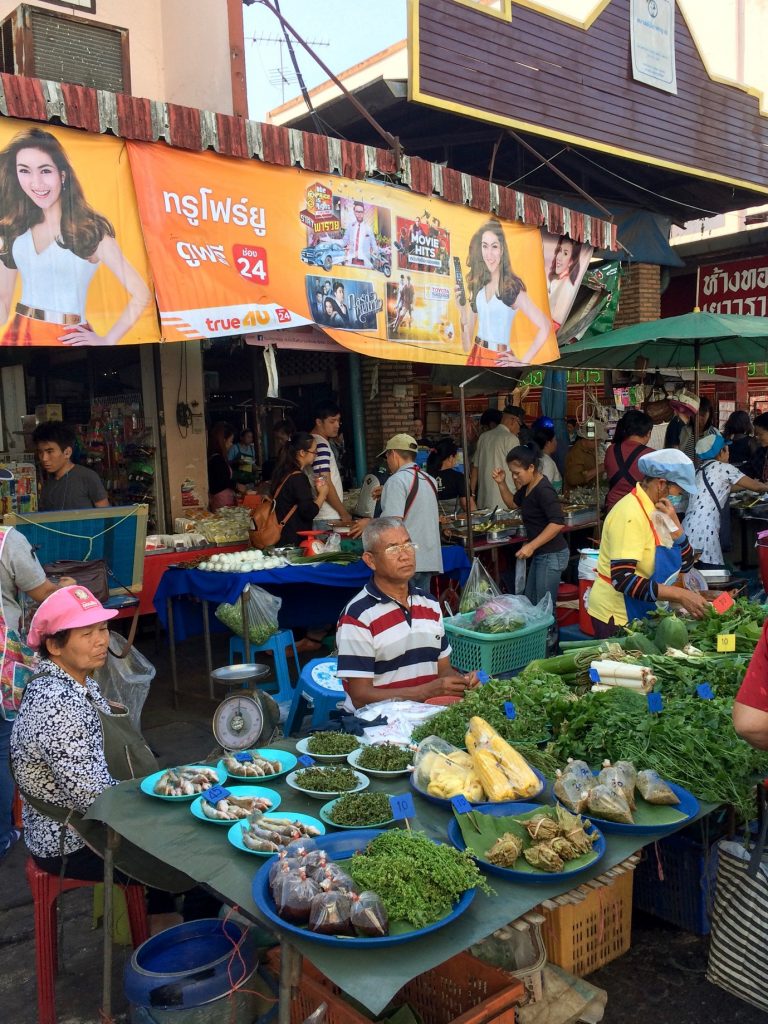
x=496 y=653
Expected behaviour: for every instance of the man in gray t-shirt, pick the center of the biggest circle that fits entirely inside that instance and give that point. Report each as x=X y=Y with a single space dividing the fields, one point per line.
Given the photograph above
x=67 y=486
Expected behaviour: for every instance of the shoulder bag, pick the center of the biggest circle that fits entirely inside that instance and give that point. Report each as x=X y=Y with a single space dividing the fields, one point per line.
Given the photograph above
x=266 y=527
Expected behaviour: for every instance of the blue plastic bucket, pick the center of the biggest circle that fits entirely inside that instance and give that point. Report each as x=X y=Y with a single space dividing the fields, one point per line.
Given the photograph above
x=190 y=965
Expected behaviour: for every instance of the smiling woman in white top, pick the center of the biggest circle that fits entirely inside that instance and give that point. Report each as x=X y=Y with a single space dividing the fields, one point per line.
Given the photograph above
x=52 y=237
x=496 y=296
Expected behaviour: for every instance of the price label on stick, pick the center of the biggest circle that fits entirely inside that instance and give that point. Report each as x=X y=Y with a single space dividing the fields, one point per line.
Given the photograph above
x=655 y=703
x=461 y=805
x=723 y=602
x=215 y=793
x=509 y=709
x=244 y=758
x=402 y=806
x=704 y=690
x=726 y=642
x=306 y=760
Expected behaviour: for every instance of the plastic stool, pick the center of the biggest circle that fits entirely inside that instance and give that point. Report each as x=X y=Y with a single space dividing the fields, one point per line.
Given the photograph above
x=45 y=892
x=318 y=682
x=278 y=644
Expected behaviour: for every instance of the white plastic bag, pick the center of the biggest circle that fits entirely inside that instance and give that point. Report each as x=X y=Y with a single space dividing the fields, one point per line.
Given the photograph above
x=126 y=680
x=261 y=614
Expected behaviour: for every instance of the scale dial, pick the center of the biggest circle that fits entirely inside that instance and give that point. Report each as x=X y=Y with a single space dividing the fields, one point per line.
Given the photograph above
x=238 y=722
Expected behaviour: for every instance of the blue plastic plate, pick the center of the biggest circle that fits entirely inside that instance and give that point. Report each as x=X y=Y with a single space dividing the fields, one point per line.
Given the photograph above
x=688 y=808
x=362 y=783
x=148 y=784
x=235 y=834
x=512 y=804
x=287 y=762
x=340 y=846
x=327 y=810
x=533 y=875
x=268 y=794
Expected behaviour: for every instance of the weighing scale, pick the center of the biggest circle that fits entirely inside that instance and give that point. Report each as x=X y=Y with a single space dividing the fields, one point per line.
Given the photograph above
x=246 y=718
x=312 y=545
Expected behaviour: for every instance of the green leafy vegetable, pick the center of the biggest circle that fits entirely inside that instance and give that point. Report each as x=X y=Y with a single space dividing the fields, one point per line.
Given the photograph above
x=332 y=743
x=361 y=809
x=385 y=757
x=332 y=779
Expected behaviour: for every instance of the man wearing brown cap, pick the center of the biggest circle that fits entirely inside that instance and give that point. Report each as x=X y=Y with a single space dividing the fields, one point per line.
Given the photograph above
x=491 y=454
x=410 y=494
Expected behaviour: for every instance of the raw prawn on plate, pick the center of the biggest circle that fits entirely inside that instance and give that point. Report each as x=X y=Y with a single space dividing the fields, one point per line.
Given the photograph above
x=182 y=783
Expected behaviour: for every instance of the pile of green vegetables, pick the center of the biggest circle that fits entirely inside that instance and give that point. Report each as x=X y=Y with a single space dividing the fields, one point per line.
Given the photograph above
x=327 y=743
x=332 y=779
x=385 y=757
x=361 y=809
x=744 y=619
x=417 y=880
x=232 y=617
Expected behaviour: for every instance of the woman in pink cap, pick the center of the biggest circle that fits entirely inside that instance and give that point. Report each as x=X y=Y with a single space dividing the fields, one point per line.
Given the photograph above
x=69 y=744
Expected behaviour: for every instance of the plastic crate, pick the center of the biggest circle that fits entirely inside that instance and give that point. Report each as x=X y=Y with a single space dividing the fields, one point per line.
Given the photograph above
x=496 y=653
x=676 y=882
x=585 y=936
x=463 y=990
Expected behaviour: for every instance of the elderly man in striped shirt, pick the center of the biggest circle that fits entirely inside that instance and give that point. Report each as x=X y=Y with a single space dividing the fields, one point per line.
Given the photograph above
x=390 y=637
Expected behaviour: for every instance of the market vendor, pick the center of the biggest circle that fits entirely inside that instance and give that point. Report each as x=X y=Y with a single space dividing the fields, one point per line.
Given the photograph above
x=750 y=709
x=584 y=461
x=644 y=548
x=390 y=637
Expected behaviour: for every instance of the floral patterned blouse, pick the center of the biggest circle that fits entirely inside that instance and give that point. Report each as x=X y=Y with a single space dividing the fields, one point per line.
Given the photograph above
x=57 y=754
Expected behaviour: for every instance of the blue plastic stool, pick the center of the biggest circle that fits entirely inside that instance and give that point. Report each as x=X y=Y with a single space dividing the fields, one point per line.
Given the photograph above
x=319 y=682
x=573 y=633
x=278 y=644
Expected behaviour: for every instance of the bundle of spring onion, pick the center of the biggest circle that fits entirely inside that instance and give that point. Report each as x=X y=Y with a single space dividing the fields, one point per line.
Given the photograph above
x=606 y=673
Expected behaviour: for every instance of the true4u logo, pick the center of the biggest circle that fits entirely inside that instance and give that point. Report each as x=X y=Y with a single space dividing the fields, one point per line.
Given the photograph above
x=251 y=263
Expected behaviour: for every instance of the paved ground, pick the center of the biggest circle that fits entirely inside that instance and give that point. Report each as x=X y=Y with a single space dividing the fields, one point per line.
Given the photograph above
x=660 y=980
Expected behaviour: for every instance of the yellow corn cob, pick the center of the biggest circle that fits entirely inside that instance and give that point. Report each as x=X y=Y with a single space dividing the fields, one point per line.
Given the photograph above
x=504 y=774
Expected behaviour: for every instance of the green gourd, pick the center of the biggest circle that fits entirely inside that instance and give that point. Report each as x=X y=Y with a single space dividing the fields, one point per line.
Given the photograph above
x=671 y=632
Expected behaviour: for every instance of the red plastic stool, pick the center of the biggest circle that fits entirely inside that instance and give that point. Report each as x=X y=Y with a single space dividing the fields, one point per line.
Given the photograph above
x=45 y=891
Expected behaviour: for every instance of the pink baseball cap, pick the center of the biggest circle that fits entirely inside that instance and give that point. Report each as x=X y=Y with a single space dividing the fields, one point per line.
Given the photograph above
x=67 y=608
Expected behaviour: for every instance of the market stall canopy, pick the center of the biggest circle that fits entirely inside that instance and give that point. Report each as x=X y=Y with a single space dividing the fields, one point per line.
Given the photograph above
x=711 y=339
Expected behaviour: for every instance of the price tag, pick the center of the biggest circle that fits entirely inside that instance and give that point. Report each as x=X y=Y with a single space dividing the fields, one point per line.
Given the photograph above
x=306 y=760
x=483 y=677
x=704 y=690
x=726 y=642
x=402 y=806
x=723 y=602
x=509 y=709
x=594 y=675
x=655 y=703
x=215 y=793
x=244 y=758
x=461 y=805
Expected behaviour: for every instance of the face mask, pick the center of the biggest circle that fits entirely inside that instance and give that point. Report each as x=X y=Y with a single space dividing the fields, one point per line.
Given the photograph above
x=676 y=500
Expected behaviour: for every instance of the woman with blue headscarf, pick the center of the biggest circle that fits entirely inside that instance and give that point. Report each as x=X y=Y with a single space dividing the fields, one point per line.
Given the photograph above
x=644 y=548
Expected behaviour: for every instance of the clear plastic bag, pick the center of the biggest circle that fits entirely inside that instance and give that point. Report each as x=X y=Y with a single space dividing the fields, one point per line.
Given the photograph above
x=478 y=589
x=510 y=612
x=261 y=614
x=126 y=680
x=294 y=898
x=654 y=789
x=335 y=878
x=330 y=912
x=605 y=802
x=618 y=781
x=445 y=771
x=571 y=792
x=368 y=916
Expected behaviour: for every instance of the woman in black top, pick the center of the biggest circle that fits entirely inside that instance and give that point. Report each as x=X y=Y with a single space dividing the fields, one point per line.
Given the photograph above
x=757 y=467
x=291 y=488
x=221 y=493
x=440 y=466
x=543 y=519
x=738 y=431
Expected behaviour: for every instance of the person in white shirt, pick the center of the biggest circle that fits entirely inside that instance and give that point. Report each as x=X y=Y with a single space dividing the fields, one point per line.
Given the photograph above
x=545 y=439
x=327 y=426
x=360 y=241
x=491 y=453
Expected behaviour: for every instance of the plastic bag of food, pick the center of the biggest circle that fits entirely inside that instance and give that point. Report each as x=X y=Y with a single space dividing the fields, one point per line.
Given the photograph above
x=445 y=771
x=261 y=615
x=329 y=913
x=283 y=860
x=334 y=877
x=295 y=895
x=605 y=802
x=581 y=771
x=478 y=589
x=654 y=789
x=629 y=772
x=617 y=780
x=368 y=916
x=510 y=612
x=279 y=873
x=571 y=791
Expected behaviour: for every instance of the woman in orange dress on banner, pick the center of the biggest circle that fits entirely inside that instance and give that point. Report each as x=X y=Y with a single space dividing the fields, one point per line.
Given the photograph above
x=56 y=241
x=496 y=296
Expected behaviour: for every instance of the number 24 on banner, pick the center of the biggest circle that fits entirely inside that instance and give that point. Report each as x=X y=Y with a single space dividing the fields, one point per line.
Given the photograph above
x=251 y=263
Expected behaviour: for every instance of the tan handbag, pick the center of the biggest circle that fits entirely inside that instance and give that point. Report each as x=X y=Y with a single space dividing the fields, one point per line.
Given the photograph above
x=266 y=527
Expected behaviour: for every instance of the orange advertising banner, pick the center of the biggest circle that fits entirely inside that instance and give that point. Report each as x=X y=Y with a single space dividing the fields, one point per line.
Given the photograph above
x=240 y=247
x=73 y=267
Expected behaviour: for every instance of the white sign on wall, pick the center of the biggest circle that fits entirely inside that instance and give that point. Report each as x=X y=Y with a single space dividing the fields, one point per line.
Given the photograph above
x=75 y=5
x=652 y=29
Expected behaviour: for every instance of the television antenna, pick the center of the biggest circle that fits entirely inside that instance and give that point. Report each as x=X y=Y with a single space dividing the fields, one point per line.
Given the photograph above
x=282 y=75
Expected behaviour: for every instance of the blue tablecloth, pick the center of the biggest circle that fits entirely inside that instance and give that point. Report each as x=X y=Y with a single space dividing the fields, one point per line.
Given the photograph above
x=312 y=595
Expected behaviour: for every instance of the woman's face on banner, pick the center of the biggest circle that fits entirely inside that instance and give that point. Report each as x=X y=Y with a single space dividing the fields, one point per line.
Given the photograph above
x=39 y=177
x=563 y=258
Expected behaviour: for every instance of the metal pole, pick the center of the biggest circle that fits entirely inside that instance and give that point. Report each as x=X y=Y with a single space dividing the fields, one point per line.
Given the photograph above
x=106 y=989
x=207 y=645
x=696 y=369
x=465 y=451
x=290 y=967
x=244 y=613
x=172 y=651
x=358 y=420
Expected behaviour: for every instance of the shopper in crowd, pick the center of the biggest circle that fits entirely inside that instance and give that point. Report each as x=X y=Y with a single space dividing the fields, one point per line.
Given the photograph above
x=543 y=520
x=221 y=491
x=630 y=441
x=66 y=485
x=738 y=431
x=441 y=463
x=708 y=519
x=242 y=457
x=67 y=743
x=680 y=428
x=583 y=463
x=545 y=440
x=706 y=418
x=281 y=431
x=327 y=424
x=410 y=494
x=573 y=432
x=491 y=454
x=390 y=638
x=757 y=467
x=750 y=709
x=490 y=418
x=297 y=505
x=418 y=433
x=640 y=556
